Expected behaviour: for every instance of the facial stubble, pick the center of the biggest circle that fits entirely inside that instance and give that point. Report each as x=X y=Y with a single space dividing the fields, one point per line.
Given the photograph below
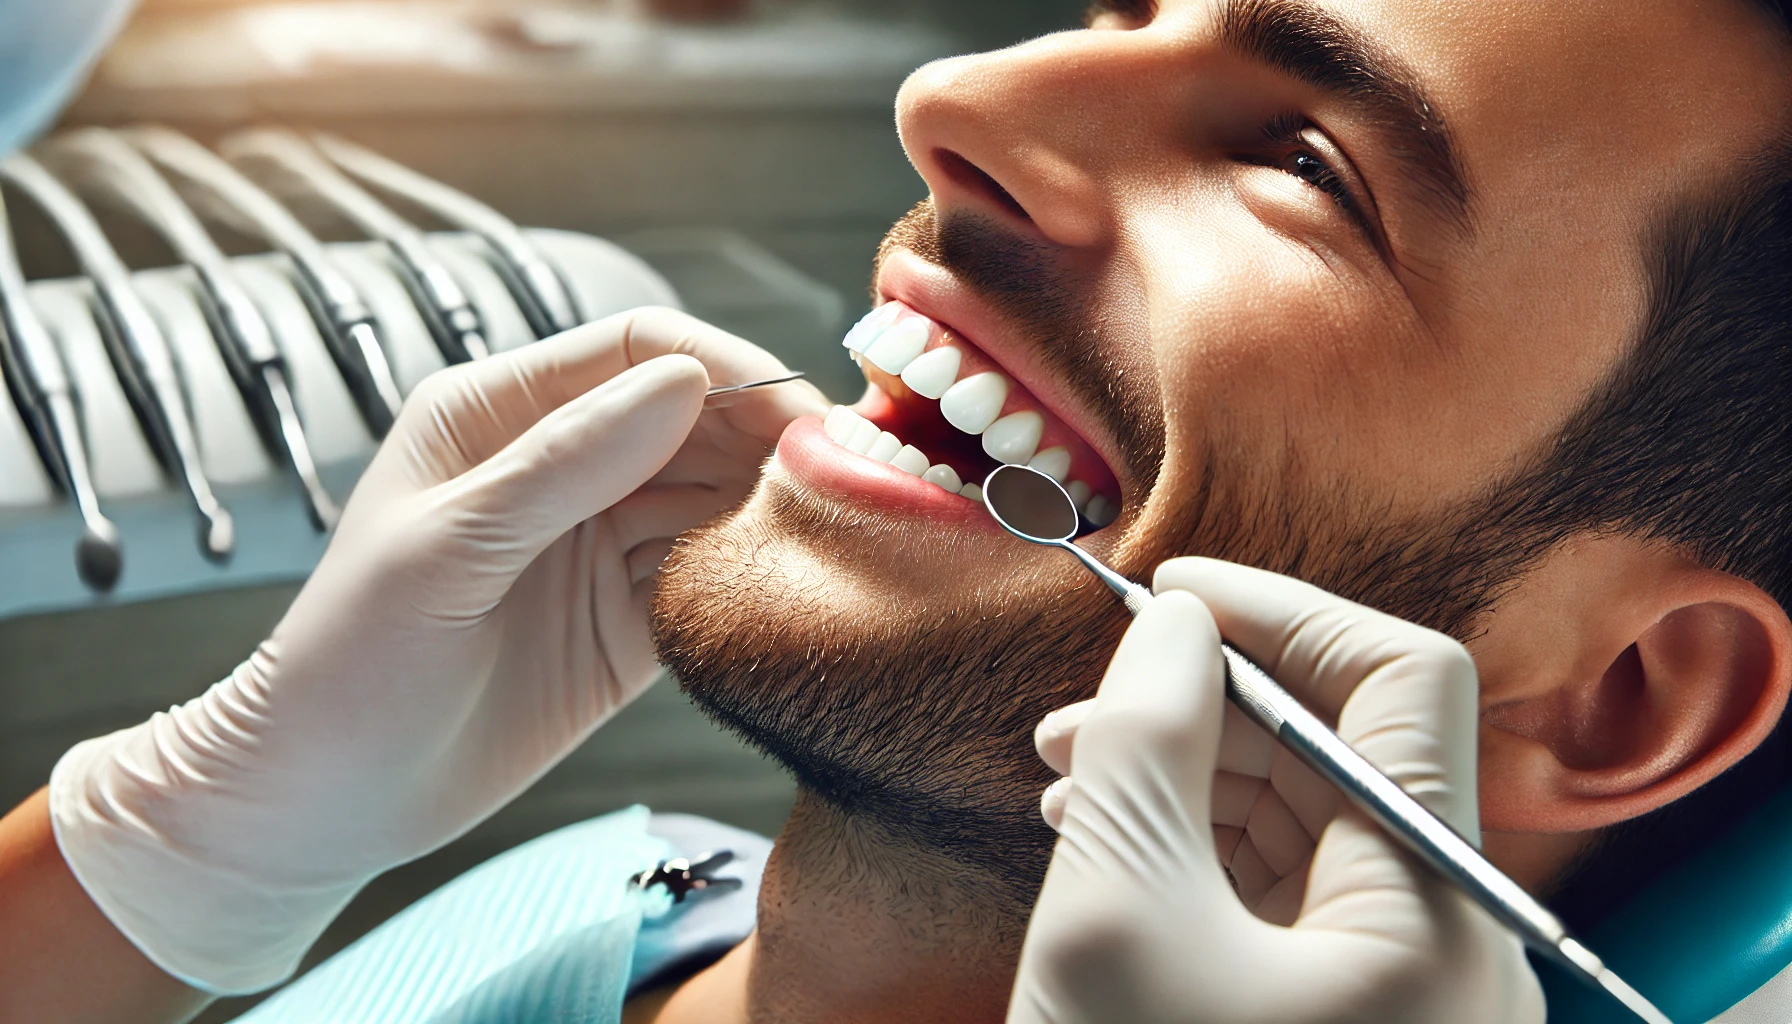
x=914 y=717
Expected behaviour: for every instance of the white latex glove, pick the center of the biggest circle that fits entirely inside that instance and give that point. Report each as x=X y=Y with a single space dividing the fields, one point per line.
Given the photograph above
x=479 y=612
x=1138 y=922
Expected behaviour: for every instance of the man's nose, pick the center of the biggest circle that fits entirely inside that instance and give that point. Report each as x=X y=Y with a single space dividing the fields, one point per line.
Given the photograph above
x=1037 y=136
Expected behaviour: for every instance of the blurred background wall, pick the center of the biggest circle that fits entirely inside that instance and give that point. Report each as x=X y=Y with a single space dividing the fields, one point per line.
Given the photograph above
x=746 y=148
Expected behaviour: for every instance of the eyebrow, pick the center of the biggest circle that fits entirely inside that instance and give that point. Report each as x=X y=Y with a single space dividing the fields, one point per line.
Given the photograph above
x=1309 y=44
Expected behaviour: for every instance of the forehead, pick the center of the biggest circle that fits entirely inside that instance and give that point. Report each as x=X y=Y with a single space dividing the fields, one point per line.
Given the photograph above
x=1589 y=100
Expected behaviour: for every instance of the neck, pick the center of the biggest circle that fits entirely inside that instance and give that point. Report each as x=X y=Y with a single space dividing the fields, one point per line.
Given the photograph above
x=859 y=927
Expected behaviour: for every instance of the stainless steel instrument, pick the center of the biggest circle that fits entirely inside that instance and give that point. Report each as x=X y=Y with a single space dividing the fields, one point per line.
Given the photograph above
x=342 y=315
x=731 y=389
x=134 y=340
x=544 y=296
x=45 y=394
x=242 y=334
x=453 y=321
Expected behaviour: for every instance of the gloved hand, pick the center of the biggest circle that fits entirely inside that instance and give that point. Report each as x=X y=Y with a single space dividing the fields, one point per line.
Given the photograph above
x=1137 y=920
x=481 y=610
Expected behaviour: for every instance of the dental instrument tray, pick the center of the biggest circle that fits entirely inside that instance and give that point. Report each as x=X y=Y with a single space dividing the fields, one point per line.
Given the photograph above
x=197 y=426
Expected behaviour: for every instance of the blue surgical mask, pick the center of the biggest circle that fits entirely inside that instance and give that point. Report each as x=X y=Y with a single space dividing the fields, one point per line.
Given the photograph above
x=46 y=49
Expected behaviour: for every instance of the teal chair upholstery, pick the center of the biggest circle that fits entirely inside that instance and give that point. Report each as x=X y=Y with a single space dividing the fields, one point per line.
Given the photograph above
x=1714 y=932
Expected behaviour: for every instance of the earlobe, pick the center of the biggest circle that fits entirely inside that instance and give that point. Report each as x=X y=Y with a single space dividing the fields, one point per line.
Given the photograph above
x=1675 y=681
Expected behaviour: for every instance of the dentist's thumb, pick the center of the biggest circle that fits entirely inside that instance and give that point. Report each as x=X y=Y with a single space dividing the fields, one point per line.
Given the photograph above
x=583 y=457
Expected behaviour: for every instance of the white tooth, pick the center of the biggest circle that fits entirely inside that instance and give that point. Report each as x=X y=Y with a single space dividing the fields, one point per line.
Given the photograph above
x=1014 y=438
x=1100 y=511
x=863 y=434
x=910 y=460
x=1053 y=462
x=932 y=372
x=840 y=422
x=1079 y=493
x=869 y=327
x=944 y=476
x=972 y=491
x=884 y=448
x=973 y=403
x=897 y=347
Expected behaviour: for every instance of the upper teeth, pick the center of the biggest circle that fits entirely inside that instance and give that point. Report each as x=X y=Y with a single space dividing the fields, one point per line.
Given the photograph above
x=931 y=373
x=897 y=344
x=973 y=403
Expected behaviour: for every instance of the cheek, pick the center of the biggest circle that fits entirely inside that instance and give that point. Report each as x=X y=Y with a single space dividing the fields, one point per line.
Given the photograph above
x=1269 y=358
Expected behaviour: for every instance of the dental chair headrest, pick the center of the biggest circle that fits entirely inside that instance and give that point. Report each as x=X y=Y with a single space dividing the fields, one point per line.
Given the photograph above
x=1710 y=936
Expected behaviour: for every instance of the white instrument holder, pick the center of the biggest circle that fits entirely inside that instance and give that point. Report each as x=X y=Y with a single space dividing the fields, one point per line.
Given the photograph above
x=275 y=540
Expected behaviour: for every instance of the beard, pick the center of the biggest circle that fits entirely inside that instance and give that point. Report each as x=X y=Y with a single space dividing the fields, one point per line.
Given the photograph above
x=910 y=708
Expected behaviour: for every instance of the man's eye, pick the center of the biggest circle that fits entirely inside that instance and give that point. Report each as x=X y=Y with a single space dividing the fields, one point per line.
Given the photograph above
x=1295 y=147
x=1315 y=172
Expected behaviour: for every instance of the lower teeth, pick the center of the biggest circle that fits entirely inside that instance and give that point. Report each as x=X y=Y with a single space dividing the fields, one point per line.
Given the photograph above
x=858 y=434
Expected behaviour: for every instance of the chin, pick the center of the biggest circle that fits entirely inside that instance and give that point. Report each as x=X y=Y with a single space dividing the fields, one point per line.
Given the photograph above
x=914 y=714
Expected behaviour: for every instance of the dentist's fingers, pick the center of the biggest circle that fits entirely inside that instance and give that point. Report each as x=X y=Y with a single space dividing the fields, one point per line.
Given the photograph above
x=761 y=413
x=1293 y=629
x=1055 y=734
x=664 y=511
x=1144 y=759
x=1052 y=801
x=484 y=405
x=1403 y=696
x=1135 y=821
x=579 y=459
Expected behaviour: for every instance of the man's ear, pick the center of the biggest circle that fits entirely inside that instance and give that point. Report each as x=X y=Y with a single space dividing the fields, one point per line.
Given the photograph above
x=1617 y=677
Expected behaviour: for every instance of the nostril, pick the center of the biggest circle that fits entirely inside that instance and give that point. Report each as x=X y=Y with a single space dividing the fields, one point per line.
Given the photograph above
x=972 y=178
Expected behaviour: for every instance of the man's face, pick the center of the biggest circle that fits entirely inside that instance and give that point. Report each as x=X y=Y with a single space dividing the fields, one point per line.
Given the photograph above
x=1293 y=283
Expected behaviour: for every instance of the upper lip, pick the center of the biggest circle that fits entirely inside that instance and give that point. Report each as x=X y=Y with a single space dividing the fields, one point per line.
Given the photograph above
x=938 y=294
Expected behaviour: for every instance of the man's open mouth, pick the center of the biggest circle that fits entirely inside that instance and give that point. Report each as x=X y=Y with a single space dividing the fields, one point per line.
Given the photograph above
x=943 y=410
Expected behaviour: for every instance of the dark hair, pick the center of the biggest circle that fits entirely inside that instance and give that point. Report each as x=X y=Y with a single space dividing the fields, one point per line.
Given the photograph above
x=1691 y=443
x=1780 y=9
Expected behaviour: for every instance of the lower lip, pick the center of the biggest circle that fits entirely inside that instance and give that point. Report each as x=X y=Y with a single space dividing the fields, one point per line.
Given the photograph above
x=814 y=459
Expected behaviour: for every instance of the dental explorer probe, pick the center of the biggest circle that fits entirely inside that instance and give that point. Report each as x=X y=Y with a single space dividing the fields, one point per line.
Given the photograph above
x=1034 y=507
x=46 y=396
x=343 y=318
x=140 y=354
x=728 y=389
x=108 y=163
x=543 y=295
x=453 y=321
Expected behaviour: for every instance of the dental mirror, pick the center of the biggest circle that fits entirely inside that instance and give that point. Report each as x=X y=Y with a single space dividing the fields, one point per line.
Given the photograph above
x=1036 y=508
x=1030 y=505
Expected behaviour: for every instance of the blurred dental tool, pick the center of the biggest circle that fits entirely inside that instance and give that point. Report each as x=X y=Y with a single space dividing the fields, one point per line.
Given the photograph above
x=346 y=322
x=1034 y=507
x=546 y=299
x=98 y=159
x=733 y=389
x=46 y=397
x=140 y=354
x=454 y=323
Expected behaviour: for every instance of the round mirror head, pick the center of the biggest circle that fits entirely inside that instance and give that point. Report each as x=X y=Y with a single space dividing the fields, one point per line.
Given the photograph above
x=1030 y=505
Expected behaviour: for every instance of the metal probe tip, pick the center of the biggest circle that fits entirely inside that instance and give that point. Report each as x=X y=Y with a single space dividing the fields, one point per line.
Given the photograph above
x=729 y=389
